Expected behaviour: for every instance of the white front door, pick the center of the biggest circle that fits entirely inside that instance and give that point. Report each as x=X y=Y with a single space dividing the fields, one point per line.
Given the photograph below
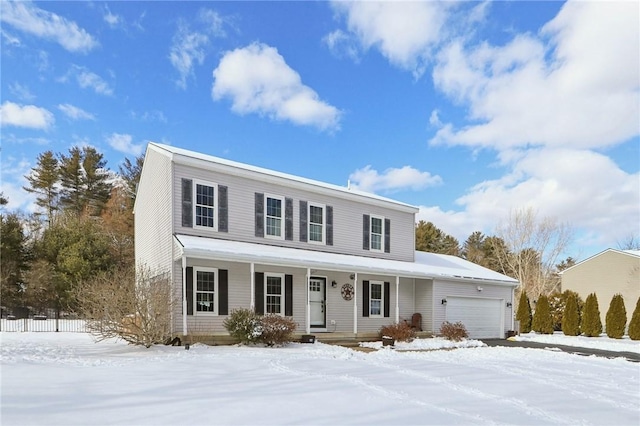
x=317 y=288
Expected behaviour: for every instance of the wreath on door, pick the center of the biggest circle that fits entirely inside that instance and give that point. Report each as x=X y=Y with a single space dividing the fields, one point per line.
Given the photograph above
x=347 y=291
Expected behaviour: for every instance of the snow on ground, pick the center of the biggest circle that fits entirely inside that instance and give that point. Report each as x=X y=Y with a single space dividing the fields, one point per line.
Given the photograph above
x=603 y=342
x=68 y=379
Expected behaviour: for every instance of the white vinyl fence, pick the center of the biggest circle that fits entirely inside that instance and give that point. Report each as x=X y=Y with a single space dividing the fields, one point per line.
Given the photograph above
x=44 y=324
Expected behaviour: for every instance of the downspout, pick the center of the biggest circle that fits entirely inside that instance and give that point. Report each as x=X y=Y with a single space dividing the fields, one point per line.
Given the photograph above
x=308 y=327
x=355 y=303
x=252 y=302
x=184 y=295
x=397 y=296
x=513 y=324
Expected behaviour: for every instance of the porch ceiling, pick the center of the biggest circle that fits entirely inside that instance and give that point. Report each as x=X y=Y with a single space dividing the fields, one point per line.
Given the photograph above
x=426 y=265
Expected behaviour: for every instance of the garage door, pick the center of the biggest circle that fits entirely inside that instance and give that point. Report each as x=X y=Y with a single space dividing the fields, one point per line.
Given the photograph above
x=481 y=317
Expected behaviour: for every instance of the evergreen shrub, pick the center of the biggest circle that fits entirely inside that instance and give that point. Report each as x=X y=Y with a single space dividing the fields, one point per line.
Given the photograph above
x=542 y=322
x=616 y=319
x=244 y=325
x=456 y=331
x=591 y=325
x=400 y=332
x=557 y=305
x=634 y=325
x=571 y=316
x=524 y=313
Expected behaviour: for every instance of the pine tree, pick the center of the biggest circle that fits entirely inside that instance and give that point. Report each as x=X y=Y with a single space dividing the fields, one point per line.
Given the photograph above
x=43 y=181
x=591 y=324
x=96 y=187
x=571 y=316
x=616 y=319
x=634 y=325
x=524 y=313
x=71 y=180
x=542 y=322
x=130 y=172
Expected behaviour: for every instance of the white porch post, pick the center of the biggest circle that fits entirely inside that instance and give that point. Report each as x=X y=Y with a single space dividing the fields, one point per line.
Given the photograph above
x=397 y=302
x=355 y=303
x=184 y=296
x=252 y=303
x=308 y=326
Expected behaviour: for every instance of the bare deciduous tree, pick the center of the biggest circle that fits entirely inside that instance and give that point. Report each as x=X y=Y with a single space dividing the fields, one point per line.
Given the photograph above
x=532 y=248
x=132 y=305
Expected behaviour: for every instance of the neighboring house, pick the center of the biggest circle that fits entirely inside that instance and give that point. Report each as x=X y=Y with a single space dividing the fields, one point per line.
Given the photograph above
x=607 y=273
x=335 y=259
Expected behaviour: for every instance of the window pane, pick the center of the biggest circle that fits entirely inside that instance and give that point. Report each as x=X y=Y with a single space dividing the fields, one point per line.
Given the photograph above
x=204 y=302
x=274 y=285
x=375 y=307
x=274 y=226
x=274 y=207
x=376 y=225
x=315 y=233
x=205 y=281
x=376 y=291
x=376 y=242
x=315 y=215
x=273 y=305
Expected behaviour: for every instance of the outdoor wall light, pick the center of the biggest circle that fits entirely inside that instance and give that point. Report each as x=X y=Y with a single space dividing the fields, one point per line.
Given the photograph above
x=334 y=284
x=509 y=304
x=480 y=288
x=444 y=301
x=352 y=276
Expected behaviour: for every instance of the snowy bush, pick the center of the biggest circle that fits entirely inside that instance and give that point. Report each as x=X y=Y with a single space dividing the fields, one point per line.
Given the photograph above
x=244 y=325
x=455 y=332
x=400 y=332
x=276 y=330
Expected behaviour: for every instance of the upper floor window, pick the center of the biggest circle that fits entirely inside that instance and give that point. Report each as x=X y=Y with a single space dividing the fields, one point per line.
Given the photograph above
x=377 y=233
x=205 y=204
x=317 y=222
x=273 y=216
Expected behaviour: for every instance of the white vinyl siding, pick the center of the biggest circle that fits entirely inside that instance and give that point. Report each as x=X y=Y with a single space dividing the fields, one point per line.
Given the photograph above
x=317 y=220
x=204 y=196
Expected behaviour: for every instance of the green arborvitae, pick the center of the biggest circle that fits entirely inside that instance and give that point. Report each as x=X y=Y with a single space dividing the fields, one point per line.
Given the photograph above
x=542 y=321
x=591 y=325
x=616 y=320
x=524 y=313
x=571 y=317
x=634 y=325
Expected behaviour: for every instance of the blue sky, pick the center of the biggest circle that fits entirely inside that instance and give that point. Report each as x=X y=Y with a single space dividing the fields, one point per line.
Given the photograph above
x=466 y=109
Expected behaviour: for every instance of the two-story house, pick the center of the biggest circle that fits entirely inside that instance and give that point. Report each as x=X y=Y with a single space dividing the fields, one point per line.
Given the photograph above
x=337 y=260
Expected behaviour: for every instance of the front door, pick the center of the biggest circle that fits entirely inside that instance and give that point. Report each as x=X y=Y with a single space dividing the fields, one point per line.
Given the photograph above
x=317 y=287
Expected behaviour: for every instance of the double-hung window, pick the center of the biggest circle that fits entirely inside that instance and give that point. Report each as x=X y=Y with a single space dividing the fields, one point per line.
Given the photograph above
x=273 y=207
x=274 y=294
x=376 y=298
x=205 y=204
x=377 y=233
x=206 y=288
x=317 y=222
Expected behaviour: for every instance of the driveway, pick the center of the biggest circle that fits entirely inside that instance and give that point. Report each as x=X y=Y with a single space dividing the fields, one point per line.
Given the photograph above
x=629 y=356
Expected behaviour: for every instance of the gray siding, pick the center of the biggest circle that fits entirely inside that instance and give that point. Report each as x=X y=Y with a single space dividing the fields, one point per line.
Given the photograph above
x=424 y=303
x=347 y=216
x=153 y=214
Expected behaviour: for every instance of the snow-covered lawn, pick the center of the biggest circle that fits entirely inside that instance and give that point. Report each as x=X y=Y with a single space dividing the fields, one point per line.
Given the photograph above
x=67 y=379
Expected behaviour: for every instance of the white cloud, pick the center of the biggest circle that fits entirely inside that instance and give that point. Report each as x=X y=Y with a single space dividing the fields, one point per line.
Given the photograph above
x=575 y=85
x=13 y=179
x=9 y=39
x=75 y=113
x=26 y=17
x=22 y=92
x=88 y=80
x=187 y=48
x=369 y=180
x=31 y=116
x=214 y=22
x=258 y=80
x=342 y=44
x=404 y=32
x=112 y=19
x=123 y=143
x=154 y=115
x=582 y=188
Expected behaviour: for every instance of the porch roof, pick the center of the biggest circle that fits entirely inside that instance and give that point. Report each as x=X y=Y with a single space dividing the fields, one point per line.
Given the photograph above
x=425 y=266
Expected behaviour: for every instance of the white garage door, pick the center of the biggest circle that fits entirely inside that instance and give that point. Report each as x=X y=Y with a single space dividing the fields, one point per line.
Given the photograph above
x=481 y=317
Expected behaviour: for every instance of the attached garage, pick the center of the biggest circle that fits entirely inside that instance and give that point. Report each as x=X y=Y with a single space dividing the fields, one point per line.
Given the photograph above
x=482 y=317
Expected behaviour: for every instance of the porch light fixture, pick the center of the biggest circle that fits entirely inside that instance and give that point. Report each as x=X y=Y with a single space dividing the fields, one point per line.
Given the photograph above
x=480 y=288
x=352 y=276
x=509 y=304
x=334 y=284
x=444 y=301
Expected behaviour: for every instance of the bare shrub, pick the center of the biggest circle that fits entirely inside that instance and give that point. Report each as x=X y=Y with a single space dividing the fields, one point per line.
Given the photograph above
x=456 y=331
x=400 y=332
x=276 y=330
x=132 y=305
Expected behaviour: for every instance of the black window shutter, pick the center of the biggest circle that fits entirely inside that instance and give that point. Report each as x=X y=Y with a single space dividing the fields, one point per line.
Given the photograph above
x=387 y=296
x=387 y=236
x=259 y=292
x=288 y=295
x=187 y=203
x=303 y=221
x=223 y=292
x=288 y=219
x=259 y=215
x=189 y=290
x=366 y=222
x=329 y=225
x=223 y=209
x=365 y=298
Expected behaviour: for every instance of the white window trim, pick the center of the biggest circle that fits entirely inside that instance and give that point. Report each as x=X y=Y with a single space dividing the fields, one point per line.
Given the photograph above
x=324 y=223
x=215 y=204
x=282 y=218
x=381 y=284
x=216 y=298
x=282 y=292
x=381 y=249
